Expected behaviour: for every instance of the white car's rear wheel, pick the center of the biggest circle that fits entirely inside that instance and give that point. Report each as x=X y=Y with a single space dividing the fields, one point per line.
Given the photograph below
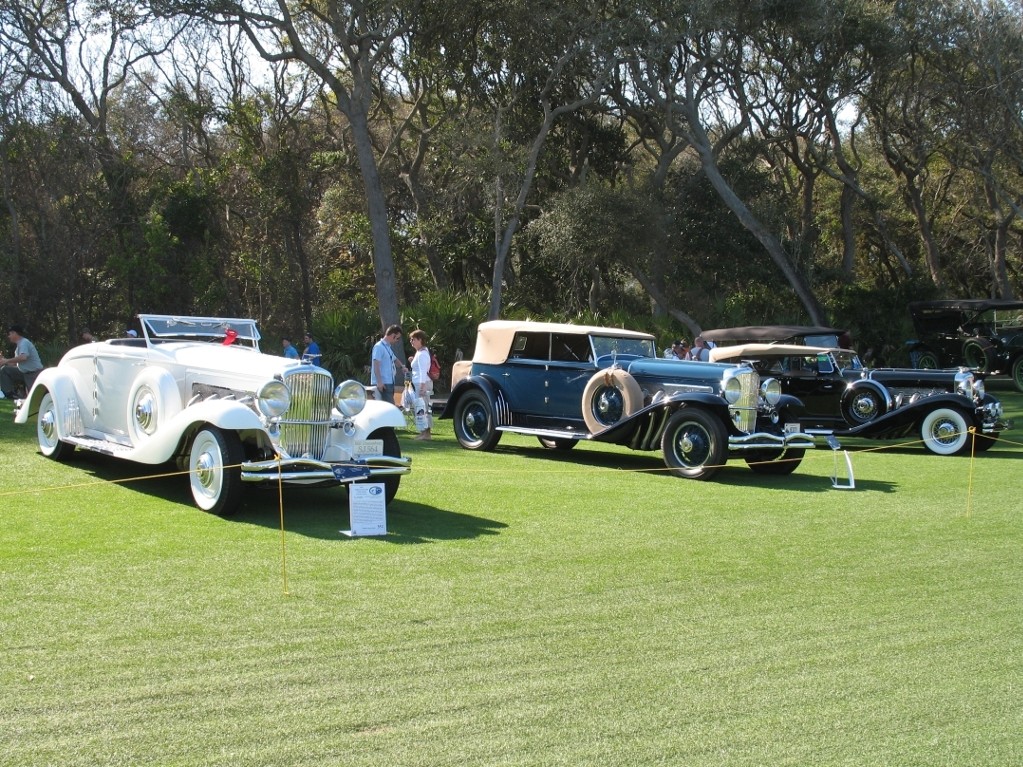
x=50 y=443
x=215 y=474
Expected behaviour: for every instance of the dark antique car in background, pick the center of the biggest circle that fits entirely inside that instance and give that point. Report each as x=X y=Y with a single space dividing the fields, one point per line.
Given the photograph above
x=566 y=384
x=841 y=397
x=985 y=335
x=197 y=390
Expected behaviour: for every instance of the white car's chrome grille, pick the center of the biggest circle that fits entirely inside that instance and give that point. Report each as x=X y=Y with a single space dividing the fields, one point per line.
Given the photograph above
x=744 y=412
x=305 y=427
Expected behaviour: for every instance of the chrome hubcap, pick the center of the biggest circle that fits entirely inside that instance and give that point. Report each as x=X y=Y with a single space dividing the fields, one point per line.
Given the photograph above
x=205 y=472
x=48 y=425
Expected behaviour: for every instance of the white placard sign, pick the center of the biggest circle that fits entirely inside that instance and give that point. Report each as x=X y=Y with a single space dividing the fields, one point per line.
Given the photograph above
x=367 y=508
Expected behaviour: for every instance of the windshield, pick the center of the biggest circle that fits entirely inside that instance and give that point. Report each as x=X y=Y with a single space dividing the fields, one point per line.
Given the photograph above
x=607 y=345
x=239 y=332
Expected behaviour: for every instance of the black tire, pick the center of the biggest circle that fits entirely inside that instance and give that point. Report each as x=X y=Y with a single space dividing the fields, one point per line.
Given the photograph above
x=979 y=355
x=50 y=444
x=946 y=431
x=610 y=395
x=393 y=448
x=475 y=425
x=1017 y=373
x=694 y=444
x=769 y=463
x=863 y=405
x=984 y=442
x=557 y=444
x=214 y=471
x=927 y=360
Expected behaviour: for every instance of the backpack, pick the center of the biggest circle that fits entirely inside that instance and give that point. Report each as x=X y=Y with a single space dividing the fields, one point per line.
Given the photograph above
x=434 y=371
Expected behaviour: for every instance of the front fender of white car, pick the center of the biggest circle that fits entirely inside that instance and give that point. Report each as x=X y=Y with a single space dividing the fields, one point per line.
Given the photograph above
x=377 y=414
x=224 y=414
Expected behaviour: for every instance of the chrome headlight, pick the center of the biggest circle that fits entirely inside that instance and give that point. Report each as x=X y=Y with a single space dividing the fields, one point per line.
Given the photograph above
x=733 y=390
x=350 y=398
x=964 y=382
x=979 y=390
x=274 y=399
x=770 y=390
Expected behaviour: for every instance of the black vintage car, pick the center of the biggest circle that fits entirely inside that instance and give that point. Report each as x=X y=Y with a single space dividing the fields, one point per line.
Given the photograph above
x=565 y=384
x=840 y=396
x=985 y=335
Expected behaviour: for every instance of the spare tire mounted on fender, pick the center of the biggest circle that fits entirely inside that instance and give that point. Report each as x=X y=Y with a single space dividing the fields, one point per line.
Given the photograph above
x=610 y=395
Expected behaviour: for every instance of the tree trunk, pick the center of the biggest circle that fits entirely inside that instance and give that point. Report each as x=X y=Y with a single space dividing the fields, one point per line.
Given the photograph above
x=701 y=142
x=376 y=204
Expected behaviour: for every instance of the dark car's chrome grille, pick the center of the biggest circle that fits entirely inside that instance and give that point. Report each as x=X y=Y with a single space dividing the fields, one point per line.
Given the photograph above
x=744 y=412
x=305 y=426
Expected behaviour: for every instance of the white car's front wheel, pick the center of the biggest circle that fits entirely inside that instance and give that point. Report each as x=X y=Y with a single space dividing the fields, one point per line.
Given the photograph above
x=215 y=475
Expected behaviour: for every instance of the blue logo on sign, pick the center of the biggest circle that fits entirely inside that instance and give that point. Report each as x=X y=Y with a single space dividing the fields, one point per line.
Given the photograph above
x=375 y=490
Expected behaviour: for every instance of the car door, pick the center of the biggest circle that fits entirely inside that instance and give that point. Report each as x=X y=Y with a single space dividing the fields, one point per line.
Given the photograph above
x=570 y=369
x=523 y=376
x=116 y=368
x=819 y=386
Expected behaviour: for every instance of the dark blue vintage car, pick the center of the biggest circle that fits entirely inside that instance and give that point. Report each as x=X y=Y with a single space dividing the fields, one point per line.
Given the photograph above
x=566 y=384
x=839 y=396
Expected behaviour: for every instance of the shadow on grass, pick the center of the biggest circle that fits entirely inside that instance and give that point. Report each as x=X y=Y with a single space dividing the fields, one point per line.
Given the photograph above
x=313 y=512
x=735 y=473
x=324 y=513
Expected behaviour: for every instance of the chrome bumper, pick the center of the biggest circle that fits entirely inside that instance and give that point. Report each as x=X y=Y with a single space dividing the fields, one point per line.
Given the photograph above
x=760 y=441
x=307 y=470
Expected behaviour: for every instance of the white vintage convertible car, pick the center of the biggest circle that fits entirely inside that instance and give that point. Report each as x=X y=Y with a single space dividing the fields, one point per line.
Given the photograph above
x=197 y=390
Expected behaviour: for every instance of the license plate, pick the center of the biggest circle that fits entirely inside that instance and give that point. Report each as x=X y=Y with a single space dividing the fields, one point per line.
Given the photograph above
x=792 y=428
x=366 y=447
x=350 y=472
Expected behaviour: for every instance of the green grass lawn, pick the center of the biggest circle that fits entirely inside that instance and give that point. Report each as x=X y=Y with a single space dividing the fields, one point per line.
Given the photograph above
x=527 y=607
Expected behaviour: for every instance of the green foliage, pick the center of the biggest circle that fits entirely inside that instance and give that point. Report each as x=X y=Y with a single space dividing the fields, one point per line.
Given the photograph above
x=450 y=320
x=346 y=336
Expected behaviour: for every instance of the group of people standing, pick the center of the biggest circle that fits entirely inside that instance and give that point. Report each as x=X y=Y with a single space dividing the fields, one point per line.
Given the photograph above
x=311 y=353
x=385 y=364
x=680 y=350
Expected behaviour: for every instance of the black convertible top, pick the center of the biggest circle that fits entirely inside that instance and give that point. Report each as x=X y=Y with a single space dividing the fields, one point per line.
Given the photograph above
x=767 y=333
x=963 y=305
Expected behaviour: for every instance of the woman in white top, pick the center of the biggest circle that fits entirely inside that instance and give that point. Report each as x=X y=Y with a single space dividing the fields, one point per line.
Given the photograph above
x=421 y=382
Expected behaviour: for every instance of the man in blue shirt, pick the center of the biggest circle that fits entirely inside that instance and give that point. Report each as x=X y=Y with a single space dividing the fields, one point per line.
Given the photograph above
x=384 y=362
x=289 y=349
x=311 y=354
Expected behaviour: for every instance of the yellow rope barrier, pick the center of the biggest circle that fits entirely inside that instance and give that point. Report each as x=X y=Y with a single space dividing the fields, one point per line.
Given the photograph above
x=284 y=548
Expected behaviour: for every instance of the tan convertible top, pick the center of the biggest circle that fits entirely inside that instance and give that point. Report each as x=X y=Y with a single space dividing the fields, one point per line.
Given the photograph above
x=494 y=338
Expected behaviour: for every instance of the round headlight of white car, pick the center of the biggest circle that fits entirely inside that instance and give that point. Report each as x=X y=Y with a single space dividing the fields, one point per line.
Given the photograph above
x=770 y=390
x=350 y=398
x=274 y=399
x=733 y=390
